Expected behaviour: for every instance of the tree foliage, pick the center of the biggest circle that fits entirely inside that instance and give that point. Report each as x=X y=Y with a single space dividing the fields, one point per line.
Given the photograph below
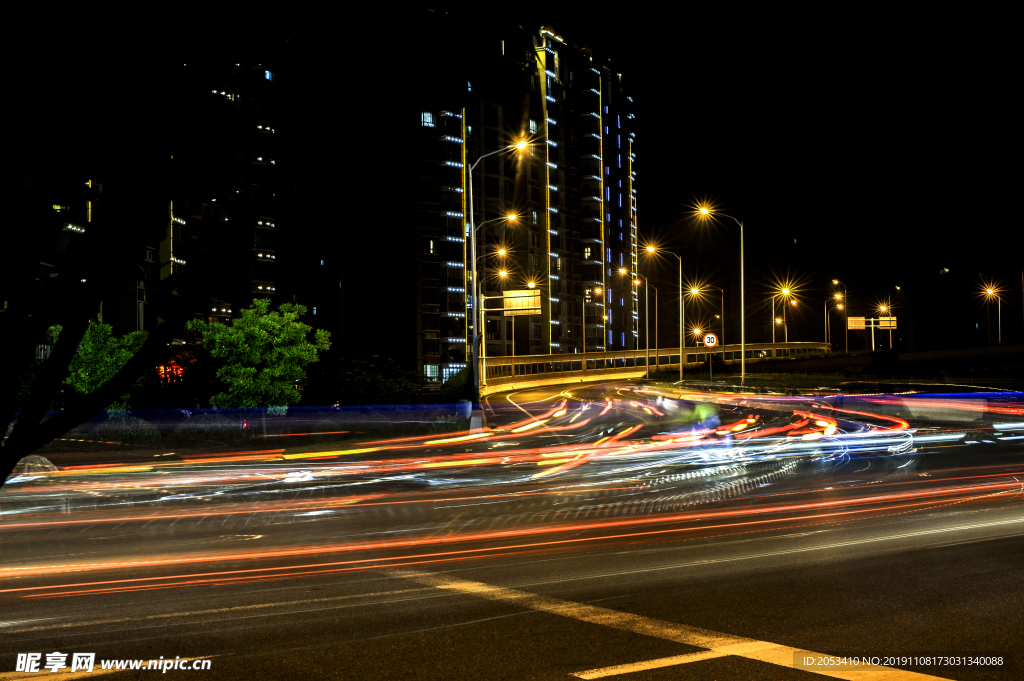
x=263 y=353
x=100 y=356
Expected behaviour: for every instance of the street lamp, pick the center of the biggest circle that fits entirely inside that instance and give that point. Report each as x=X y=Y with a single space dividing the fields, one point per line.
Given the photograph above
x=518 y=146
x=784 y=293
x=596 y=291
x=991 y=292
x=647 y=320
x=682 y=313
x=844 y=304
x=697 y=292
x=705 y=212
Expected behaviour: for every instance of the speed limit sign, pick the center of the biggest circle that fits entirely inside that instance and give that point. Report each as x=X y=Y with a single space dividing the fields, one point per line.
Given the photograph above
x=710 y=340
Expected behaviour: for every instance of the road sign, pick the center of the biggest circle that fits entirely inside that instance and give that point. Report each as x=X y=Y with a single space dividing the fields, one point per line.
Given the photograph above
x=521 y=302
x=887 y=322
x=855 y=322
x=710 y=340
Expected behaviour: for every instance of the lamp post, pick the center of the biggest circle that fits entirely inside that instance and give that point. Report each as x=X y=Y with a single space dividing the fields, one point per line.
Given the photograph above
x=707 y=212
x=647 y=316
x=697 y=292
x=884 y=309
x=993 y=293
x=844 y=304
x=596 y=291
x=682 y=313
x=472 y=249
x=784 y=293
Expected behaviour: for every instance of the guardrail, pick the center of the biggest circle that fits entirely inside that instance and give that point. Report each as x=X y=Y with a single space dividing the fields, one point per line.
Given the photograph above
x=507 y=370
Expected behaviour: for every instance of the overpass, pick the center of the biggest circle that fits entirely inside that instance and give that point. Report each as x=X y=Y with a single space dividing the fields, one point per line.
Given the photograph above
x=512 y=373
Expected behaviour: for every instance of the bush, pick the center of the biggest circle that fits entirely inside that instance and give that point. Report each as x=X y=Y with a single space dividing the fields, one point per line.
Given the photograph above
x=209 y=427
x=126 y=429
x=449 y=424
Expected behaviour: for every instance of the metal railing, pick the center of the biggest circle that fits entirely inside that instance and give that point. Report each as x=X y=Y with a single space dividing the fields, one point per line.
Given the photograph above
x=503 y=370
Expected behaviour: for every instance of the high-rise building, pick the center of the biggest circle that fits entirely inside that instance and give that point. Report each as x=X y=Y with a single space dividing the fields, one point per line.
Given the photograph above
x=571 y=192
x=222 y=216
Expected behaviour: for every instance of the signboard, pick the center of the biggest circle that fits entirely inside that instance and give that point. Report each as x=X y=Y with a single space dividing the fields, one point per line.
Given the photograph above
x=887 y=322
x=855 y=322
x=710 y=340
x=524 y=302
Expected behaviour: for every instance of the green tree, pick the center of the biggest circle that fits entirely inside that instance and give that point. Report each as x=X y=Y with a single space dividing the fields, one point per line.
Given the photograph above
x=262 y=353
x=100 y=356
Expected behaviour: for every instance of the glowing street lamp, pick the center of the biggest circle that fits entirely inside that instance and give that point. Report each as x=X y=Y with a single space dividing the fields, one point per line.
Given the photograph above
x=682 y=312
x=698 y=292
x=990 y=293
x=647 y=321
x=478 y=317
x=596 y=291
x=843 y=298
x=707 y=213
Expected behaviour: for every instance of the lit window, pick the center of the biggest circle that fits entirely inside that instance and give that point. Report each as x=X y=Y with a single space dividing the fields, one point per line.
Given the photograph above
x=469 y=86
x=533 y=127
x=427 y=119
x=533 y=214
x=314 y=309
x=431 y=245
x=268 y=75
x=430 y=372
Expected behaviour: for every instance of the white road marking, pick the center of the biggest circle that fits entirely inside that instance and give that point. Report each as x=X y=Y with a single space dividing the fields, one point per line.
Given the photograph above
x=716 y=644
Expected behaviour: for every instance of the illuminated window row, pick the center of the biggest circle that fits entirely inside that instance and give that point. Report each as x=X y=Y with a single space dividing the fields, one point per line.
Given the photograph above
x=449 y=138
x=456 y=238
x=223 y=309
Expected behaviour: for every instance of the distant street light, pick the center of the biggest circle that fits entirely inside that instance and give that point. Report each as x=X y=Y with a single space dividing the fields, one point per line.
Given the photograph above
x=841 y=297
x=990 y=293
x=706 y=212
x=647 y=316
x=596 y=291
x=682 y=313
x=472 y=228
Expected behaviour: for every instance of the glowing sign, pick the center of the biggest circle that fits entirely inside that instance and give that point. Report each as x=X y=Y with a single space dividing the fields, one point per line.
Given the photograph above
x=710 y=340
x=521 y=302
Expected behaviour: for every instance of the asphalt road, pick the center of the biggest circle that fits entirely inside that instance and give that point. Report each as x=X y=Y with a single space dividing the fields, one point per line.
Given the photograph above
x=597 y=532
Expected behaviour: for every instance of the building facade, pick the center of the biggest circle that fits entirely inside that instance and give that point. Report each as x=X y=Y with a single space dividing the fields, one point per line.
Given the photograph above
x=556 y=220
x=222 y=216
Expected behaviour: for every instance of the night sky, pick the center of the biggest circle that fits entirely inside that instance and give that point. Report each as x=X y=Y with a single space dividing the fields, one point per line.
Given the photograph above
x=881 y=143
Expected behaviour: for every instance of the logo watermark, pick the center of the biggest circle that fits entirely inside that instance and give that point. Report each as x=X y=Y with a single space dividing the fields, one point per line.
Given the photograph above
x=86 y=662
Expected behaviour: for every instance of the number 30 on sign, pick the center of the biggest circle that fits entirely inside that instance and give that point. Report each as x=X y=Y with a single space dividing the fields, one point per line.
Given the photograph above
x=710 y=340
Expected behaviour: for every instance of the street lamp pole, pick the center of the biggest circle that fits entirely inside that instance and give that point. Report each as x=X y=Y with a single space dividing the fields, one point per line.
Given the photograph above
x=743 y=309
x=472 y=249
x=846 y=309
x=647 y=315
